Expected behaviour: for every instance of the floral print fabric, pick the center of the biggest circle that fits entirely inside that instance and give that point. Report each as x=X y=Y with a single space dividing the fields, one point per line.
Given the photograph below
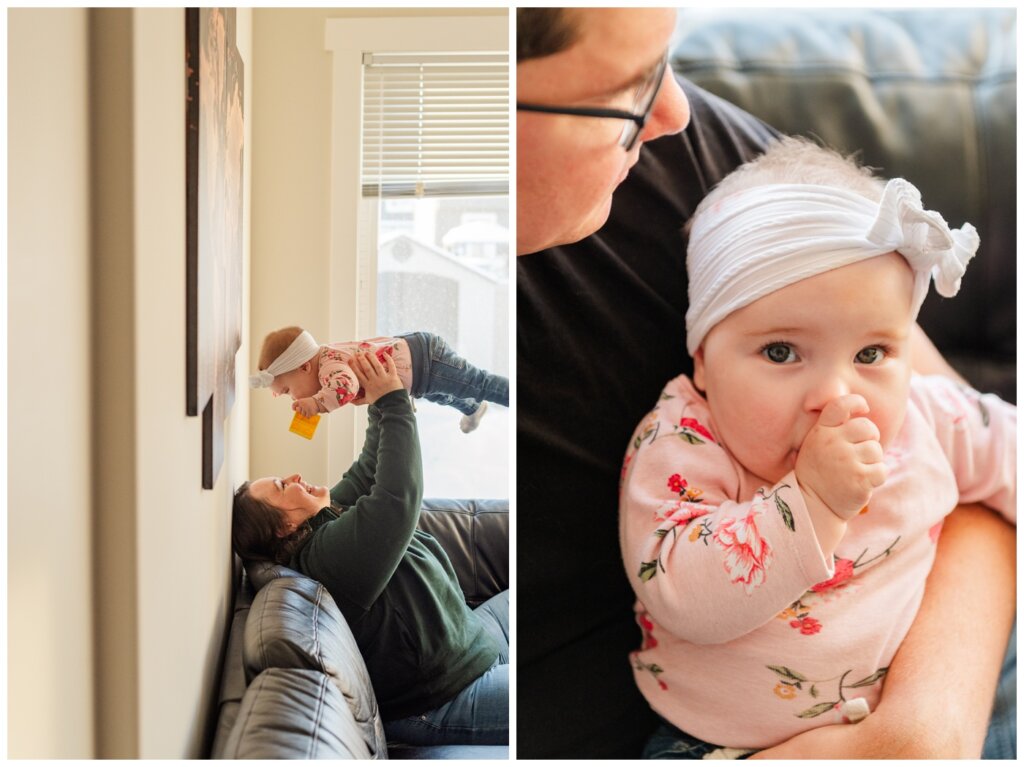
x=747 y=634
x=339 y=385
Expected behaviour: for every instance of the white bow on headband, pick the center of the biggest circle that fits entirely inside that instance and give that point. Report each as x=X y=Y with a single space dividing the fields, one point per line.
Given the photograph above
x=300 y=350
x=761 y=239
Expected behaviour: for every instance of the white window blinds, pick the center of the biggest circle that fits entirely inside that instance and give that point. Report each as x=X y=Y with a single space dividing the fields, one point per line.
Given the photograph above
x=435 y=124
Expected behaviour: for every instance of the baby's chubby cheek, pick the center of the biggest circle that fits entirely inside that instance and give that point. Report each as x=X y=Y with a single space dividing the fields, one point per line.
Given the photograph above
x=889 y=422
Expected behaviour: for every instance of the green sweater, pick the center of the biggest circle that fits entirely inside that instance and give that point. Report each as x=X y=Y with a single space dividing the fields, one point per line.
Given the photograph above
x=394 y=584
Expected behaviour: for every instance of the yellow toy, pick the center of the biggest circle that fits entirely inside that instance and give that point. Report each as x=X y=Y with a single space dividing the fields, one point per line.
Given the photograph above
x=303 y=426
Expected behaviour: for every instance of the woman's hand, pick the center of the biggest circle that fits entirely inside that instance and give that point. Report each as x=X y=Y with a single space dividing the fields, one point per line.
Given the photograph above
x=376 y=378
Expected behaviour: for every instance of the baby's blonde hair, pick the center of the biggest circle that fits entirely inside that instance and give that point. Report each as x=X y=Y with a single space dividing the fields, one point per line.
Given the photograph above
x=797 y=160
x=275 y=343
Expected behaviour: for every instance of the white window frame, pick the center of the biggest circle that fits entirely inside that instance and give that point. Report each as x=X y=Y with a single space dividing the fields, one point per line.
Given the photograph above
x=353 y=280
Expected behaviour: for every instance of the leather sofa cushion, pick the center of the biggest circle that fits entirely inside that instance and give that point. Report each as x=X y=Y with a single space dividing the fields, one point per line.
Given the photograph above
x=296 y=714
x=233 y=682
x=295 y=623
x=474 y=535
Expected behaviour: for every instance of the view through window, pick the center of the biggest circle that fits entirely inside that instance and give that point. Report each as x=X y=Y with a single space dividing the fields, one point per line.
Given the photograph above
x=442 y=267
x=435 y=240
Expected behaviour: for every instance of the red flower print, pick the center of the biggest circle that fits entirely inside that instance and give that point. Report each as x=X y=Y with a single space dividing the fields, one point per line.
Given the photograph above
x=625 y=468
x=807 y=626
x=747 y=555
x=677 y=484
x=843 y=573
x=694 y=425
x=647 y=625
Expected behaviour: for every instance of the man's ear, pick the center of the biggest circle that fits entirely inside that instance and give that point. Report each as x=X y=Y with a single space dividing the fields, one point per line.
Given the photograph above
x=698 y=368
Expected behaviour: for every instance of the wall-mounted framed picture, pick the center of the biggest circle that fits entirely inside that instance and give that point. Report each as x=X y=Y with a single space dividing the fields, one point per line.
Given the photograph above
x=214 y=198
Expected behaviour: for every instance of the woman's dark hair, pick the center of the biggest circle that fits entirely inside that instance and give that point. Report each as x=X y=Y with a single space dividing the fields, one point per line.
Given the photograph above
x=543 y=31
x=254 y=530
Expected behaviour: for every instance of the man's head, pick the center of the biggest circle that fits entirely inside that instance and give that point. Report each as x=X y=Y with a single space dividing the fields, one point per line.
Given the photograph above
x=569 y=165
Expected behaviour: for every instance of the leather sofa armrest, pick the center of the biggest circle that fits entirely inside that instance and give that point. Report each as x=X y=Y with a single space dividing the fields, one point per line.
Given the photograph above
x=474 y=534
x=290 y=713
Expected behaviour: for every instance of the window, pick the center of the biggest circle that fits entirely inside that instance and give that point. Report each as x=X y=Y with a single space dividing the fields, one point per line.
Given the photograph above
x=433 y=225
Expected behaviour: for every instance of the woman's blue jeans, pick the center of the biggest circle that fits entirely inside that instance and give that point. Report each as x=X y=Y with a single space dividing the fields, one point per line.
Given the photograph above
x=440 y=375
x=479 y=714
x=1001 y=741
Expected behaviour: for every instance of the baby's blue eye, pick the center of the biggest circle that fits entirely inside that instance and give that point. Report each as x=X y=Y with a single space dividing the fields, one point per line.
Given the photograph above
x=779 y=353
x=870 y=355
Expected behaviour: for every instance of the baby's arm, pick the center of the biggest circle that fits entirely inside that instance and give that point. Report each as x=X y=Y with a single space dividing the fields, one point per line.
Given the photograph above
x=338 y=385
x=978 y=433
x=839 y=466
x=708 y=568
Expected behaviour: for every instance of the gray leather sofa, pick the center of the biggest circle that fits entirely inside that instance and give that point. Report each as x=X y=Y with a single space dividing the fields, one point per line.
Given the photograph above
x=294 y=685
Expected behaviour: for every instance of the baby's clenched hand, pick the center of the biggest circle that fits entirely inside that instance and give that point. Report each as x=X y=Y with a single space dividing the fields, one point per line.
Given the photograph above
x=307 y=406
x=840 y=462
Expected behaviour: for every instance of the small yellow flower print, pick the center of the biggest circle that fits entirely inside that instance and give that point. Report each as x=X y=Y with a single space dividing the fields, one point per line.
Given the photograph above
x=695 y=533
x=786 y=614
x=785 y=691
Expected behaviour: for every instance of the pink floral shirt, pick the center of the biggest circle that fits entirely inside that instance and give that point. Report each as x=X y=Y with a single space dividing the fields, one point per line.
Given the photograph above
x=339 y=385
x=749 y=636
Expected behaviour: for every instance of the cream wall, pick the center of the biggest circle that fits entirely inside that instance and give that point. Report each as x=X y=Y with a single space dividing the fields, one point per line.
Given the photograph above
x=184 y=532
x=49 y=619
x=97 y=276
x=291 y=231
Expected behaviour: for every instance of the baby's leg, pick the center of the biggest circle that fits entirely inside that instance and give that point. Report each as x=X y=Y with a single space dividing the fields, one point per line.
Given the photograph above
x=454 y=381
x=669 y=742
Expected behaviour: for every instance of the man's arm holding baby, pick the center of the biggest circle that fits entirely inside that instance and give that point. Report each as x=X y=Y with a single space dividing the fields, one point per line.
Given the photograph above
x=941 y=683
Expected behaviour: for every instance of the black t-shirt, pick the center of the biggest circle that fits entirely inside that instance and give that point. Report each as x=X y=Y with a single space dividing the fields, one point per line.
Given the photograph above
x=601 y=328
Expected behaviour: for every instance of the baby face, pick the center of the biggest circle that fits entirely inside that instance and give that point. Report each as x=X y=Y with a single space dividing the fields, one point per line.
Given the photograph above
x=297 y=384
x=769 y=368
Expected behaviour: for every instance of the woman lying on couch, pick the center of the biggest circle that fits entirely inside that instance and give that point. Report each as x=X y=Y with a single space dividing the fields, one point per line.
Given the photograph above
x=438 y=668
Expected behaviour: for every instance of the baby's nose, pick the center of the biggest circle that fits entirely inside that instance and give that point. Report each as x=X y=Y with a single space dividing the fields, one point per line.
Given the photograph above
x=824 y=390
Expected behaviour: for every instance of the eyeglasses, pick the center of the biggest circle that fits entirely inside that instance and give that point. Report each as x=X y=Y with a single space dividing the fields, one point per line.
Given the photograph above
x=643 y=101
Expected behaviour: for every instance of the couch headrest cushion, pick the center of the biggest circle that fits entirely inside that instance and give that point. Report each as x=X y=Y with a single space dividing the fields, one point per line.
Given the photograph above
x=295 y=623
x=295 y=714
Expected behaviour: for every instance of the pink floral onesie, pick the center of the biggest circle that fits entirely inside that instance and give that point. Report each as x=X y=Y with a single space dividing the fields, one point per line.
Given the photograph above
x=749 y=636
x=339 y=385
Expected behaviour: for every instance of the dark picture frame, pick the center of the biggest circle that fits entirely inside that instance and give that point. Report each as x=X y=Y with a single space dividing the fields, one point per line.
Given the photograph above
x=215 y=130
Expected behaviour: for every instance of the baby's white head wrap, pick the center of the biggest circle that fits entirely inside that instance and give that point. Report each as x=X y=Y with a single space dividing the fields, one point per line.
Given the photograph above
x=298 y=351
x=764 y=238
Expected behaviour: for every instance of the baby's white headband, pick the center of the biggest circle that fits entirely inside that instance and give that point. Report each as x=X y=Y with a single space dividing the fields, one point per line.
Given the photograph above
x=761 y=239
x=298 y=351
